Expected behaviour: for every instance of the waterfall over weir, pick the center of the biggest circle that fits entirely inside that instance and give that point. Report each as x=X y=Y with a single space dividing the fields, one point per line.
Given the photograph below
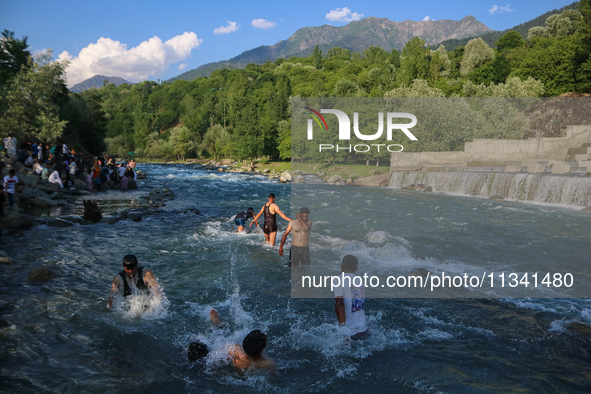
x=542 y=188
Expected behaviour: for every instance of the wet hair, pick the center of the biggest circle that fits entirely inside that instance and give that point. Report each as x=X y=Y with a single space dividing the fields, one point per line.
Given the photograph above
x=271 y=195
x=254 y=343
x=197 y=351
x=11 y=171
x=304 y=210
x=250 y=209
x=130 y=261
x=349 y=263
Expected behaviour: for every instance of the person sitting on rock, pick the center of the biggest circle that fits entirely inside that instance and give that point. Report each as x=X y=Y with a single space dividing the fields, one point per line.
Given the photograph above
x=55 y=178
x=45 y=172
x=38 y=167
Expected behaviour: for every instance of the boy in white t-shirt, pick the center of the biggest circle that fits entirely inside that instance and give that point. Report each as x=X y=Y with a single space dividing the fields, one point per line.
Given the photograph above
x=10 y=182
x=350 y=299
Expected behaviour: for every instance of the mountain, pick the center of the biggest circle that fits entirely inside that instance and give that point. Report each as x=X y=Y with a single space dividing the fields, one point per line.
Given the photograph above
x=356 y=36
x=491 y=37
x=96 y=82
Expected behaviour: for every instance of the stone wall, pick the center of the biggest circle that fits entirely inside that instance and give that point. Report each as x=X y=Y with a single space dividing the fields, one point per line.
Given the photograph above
x=493 y=152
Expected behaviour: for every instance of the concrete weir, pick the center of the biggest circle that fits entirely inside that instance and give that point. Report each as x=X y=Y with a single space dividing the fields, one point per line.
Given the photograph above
x=545 y=170
x=552 y=189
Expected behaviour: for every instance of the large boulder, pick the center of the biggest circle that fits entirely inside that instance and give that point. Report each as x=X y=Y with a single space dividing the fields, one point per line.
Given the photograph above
x=19 y=167
x=131 y=184
x=27 y=195
x=45 y=188
x=334 y=179
x=29 y=180
x=41 y=274
x=373 y=181
x=44 y=202
x=141 y=174
x=79 y=184
x=16 y=220
x=286 y=175
x=91 y=211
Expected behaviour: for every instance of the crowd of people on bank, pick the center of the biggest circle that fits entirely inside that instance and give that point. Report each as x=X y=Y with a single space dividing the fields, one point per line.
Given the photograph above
x=62 y=166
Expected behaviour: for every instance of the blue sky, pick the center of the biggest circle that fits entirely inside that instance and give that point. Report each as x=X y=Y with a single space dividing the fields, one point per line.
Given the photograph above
x=148 y=39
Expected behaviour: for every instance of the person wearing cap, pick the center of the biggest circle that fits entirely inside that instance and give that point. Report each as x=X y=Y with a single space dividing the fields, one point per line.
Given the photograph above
x=133 y=280
x=299 y=254
x=350 y=299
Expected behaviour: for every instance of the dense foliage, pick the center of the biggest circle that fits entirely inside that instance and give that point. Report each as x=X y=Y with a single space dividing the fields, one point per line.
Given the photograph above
x=245 y=113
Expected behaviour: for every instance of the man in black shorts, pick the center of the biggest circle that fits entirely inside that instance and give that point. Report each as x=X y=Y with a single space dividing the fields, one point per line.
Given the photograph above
x=299 y=253
x=270 y=227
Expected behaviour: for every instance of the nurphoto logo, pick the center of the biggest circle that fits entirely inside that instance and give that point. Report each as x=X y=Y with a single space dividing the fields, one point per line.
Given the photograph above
x=345 y=129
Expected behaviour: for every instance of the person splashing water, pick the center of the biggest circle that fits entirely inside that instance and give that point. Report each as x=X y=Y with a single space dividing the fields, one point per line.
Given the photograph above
x=138 y=283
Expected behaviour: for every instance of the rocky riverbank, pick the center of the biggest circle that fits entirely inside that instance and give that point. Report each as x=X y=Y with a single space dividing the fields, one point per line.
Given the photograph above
x=34 y=192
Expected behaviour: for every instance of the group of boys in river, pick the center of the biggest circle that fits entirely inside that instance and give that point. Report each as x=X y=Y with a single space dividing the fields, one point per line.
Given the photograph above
x=349 y=300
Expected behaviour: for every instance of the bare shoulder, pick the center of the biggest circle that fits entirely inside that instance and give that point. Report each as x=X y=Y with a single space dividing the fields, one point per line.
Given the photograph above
x=117 y=280
x=265 y=363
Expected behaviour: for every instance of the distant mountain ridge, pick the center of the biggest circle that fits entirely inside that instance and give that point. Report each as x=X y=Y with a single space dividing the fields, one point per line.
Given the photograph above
x=491 y=37
x=355 y=36
x=96 y=82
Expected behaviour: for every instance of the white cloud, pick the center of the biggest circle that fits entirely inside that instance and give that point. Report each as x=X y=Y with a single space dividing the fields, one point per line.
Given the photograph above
x=427 y=19
x=112 y=58
x=263 y=24
x=183 y=66
x=498 y=9
x=343 y=15
x=232 y=26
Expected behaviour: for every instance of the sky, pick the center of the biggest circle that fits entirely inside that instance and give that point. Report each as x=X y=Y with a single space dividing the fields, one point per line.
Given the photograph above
x=139 y=40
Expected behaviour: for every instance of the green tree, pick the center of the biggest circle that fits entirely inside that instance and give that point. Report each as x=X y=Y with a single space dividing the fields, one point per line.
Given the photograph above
x=30 y=103
x=317 y=58
x=13 y=57
x=476 y=54
x=510 y=40
x=415 y=61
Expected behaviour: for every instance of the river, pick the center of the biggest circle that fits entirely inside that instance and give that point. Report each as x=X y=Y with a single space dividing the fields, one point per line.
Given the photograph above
x=59 y=336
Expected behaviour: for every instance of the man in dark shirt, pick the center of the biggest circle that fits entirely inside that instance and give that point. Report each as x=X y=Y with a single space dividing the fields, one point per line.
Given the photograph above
x=242 y=217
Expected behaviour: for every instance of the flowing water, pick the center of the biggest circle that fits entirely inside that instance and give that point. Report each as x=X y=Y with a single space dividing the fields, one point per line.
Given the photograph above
x=58 y=336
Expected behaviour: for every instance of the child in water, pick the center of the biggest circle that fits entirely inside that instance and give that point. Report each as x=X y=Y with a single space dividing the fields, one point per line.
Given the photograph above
x=250 y=354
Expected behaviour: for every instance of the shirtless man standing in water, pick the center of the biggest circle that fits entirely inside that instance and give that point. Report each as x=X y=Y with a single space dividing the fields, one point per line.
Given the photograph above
x=299 y=253
x=270 y=227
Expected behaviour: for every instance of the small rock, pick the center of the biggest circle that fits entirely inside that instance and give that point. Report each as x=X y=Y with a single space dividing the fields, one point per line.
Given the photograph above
x=496 y=197
x=134 y=217
x=91 y=211
x=57 y=222
x=109 y=219
x=586 y=209
x=41 y=274
x=6 y=260
x=283 y=179
x=141 y=174
x=266 y=171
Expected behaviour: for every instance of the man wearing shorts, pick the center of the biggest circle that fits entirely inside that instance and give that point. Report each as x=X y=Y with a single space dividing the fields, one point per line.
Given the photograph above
x=299 y=254
x=242 y=217
x=270 y=227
